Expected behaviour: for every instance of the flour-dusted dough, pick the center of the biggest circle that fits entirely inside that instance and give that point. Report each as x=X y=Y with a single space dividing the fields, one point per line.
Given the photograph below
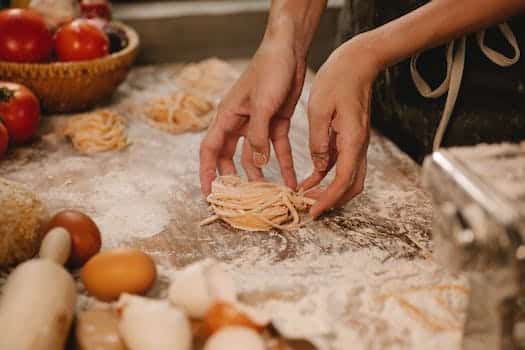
x=180 y=112
x=97 y=131
x=149 y=324
x=22 y=220
x=256 y=206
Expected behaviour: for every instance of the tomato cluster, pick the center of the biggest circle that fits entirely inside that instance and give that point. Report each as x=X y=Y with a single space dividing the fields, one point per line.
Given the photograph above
x=25 y=37
x=19 y=115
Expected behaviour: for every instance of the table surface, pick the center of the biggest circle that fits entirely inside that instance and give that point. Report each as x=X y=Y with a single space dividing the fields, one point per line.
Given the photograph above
x=359 y=274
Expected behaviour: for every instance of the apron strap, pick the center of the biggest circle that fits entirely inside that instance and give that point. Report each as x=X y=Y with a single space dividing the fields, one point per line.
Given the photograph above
x=422 y=86
x=456 y=76
x=496 y=57
x=455 y=59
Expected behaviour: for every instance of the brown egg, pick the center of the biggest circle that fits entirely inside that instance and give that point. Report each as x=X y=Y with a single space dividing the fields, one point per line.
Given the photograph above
x=113 y=272
x=85 y=235
x=222 y=315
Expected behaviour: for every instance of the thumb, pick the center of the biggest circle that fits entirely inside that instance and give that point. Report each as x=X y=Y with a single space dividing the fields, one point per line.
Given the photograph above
x=258 y=135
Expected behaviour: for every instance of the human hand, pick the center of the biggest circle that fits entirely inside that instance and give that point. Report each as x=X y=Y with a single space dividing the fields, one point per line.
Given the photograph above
x=338 y=113
x=258 y=107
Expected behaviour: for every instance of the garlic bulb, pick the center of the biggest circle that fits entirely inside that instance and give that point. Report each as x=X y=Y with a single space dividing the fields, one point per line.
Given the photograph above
x=148 y=324
x=55 y=12
x=197 y=287
x=235 y=338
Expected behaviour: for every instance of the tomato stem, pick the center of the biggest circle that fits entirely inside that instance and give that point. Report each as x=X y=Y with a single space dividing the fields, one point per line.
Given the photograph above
x=6 y=94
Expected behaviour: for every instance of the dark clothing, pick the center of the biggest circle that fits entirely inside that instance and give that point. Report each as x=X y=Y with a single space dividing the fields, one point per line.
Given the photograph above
x=491 y=104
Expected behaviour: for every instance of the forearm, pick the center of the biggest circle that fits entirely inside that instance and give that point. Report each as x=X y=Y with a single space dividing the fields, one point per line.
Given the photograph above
x=433 y=24
x=294 y=22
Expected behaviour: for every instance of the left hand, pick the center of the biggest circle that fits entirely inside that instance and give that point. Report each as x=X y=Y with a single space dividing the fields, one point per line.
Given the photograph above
x=338 y=113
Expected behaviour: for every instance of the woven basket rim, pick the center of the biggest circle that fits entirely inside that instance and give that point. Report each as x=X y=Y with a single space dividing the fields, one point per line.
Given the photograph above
x=133 y=44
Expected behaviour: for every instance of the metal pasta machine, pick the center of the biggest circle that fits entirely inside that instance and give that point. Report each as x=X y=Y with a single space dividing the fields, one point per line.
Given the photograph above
x=479 y=229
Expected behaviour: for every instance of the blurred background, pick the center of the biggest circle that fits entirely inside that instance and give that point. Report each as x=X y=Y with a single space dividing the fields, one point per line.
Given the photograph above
x=175 y=30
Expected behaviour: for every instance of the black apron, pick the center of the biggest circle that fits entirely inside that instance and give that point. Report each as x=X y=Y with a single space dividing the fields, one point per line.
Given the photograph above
x=491 y=103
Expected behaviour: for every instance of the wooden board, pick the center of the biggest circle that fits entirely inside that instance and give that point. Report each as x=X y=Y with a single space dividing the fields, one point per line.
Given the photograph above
x=148 y=196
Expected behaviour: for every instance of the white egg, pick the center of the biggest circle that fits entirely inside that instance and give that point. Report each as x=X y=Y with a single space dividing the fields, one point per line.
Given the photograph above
x=198 y=286
x=235 y=338
x=148 y=324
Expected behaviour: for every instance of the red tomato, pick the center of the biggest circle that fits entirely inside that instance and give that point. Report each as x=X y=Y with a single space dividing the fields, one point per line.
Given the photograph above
x=19 y=110
x=24 y=37
x=80 y=40
x=4 y=140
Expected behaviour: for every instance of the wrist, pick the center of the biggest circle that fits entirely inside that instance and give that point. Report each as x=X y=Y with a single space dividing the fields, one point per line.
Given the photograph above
x=284 y=32
x=362 y=55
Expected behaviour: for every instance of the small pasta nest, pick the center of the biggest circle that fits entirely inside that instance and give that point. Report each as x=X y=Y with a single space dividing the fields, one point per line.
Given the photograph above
x=179 y=113
x=98 y=131
x=256 y=206
x=211 y=77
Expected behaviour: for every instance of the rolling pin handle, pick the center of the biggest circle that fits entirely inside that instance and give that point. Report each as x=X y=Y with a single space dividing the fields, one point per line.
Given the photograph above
x=56 y=246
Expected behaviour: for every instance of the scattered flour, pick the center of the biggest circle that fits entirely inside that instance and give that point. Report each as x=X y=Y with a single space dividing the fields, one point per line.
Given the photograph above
x=325 y=282
x=353 y=299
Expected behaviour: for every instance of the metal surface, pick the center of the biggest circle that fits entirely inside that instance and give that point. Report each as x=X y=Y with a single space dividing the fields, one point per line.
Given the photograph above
x=479 y=229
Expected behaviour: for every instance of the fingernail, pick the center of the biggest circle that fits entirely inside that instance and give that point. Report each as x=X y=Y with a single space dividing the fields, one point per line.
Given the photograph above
x=259 y=159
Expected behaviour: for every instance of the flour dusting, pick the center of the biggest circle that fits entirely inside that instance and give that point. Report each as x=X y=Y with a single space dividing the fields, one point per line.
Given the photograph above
x=355 y=279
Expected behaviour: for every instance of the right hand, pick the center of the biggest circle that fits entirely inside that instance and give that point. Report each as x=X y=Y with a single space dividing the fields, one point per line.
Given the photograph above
x=259 y=108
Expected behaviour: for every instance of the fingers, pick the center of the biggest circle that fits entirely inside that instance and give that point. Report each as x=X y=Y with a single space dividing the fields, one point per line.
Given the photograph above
x=318 y=175
x=225 y=162
x=209 y=154
x=283 y=151
x=320 y=115
x=351 y=153
x=252 y=172
x=258 y=134
x=267 y=100
x=357 y=187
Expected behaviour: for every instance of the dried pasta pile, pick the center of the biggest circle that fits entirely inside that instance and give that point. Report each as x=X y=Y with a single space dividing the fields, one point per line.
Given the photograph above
x=179 y=113
x=98 y=131
x=256 y=206
x=211 y=77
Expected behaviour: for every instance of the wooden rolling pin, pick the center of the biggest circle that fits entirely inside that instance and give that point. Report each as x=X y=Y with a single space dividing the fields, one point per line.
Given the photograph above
x=38 y=299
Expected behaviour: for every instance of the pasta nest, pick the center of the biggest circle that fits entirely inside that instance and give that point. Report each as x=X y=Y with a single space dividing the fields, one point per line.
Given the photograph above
x=179 y=113
x=256 y=206
x=211 y=77
x=98 y=131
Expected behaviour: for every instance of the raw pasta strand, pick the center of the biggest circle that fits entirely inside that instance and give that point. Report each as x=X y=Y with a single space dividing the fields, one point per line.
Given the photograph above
x=256 y=206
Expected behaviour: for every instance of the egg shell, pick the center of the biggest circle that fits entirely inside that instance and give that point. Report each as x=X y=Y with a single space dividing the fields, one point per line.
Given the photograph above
x=113 y=272
x=199 y=286
x=85 y=235
x=223 y=315
x=148 y=324
x=235 y=338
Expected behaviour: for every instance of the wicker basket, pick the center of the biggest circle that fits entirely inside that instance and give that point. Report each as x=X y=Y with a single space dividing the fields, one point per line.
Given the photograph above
x=74 y=86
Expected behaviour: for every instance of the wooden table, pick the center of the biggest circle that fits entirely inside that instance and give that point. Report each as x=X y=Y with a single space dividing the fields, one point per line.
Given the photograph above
x=148 y=196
